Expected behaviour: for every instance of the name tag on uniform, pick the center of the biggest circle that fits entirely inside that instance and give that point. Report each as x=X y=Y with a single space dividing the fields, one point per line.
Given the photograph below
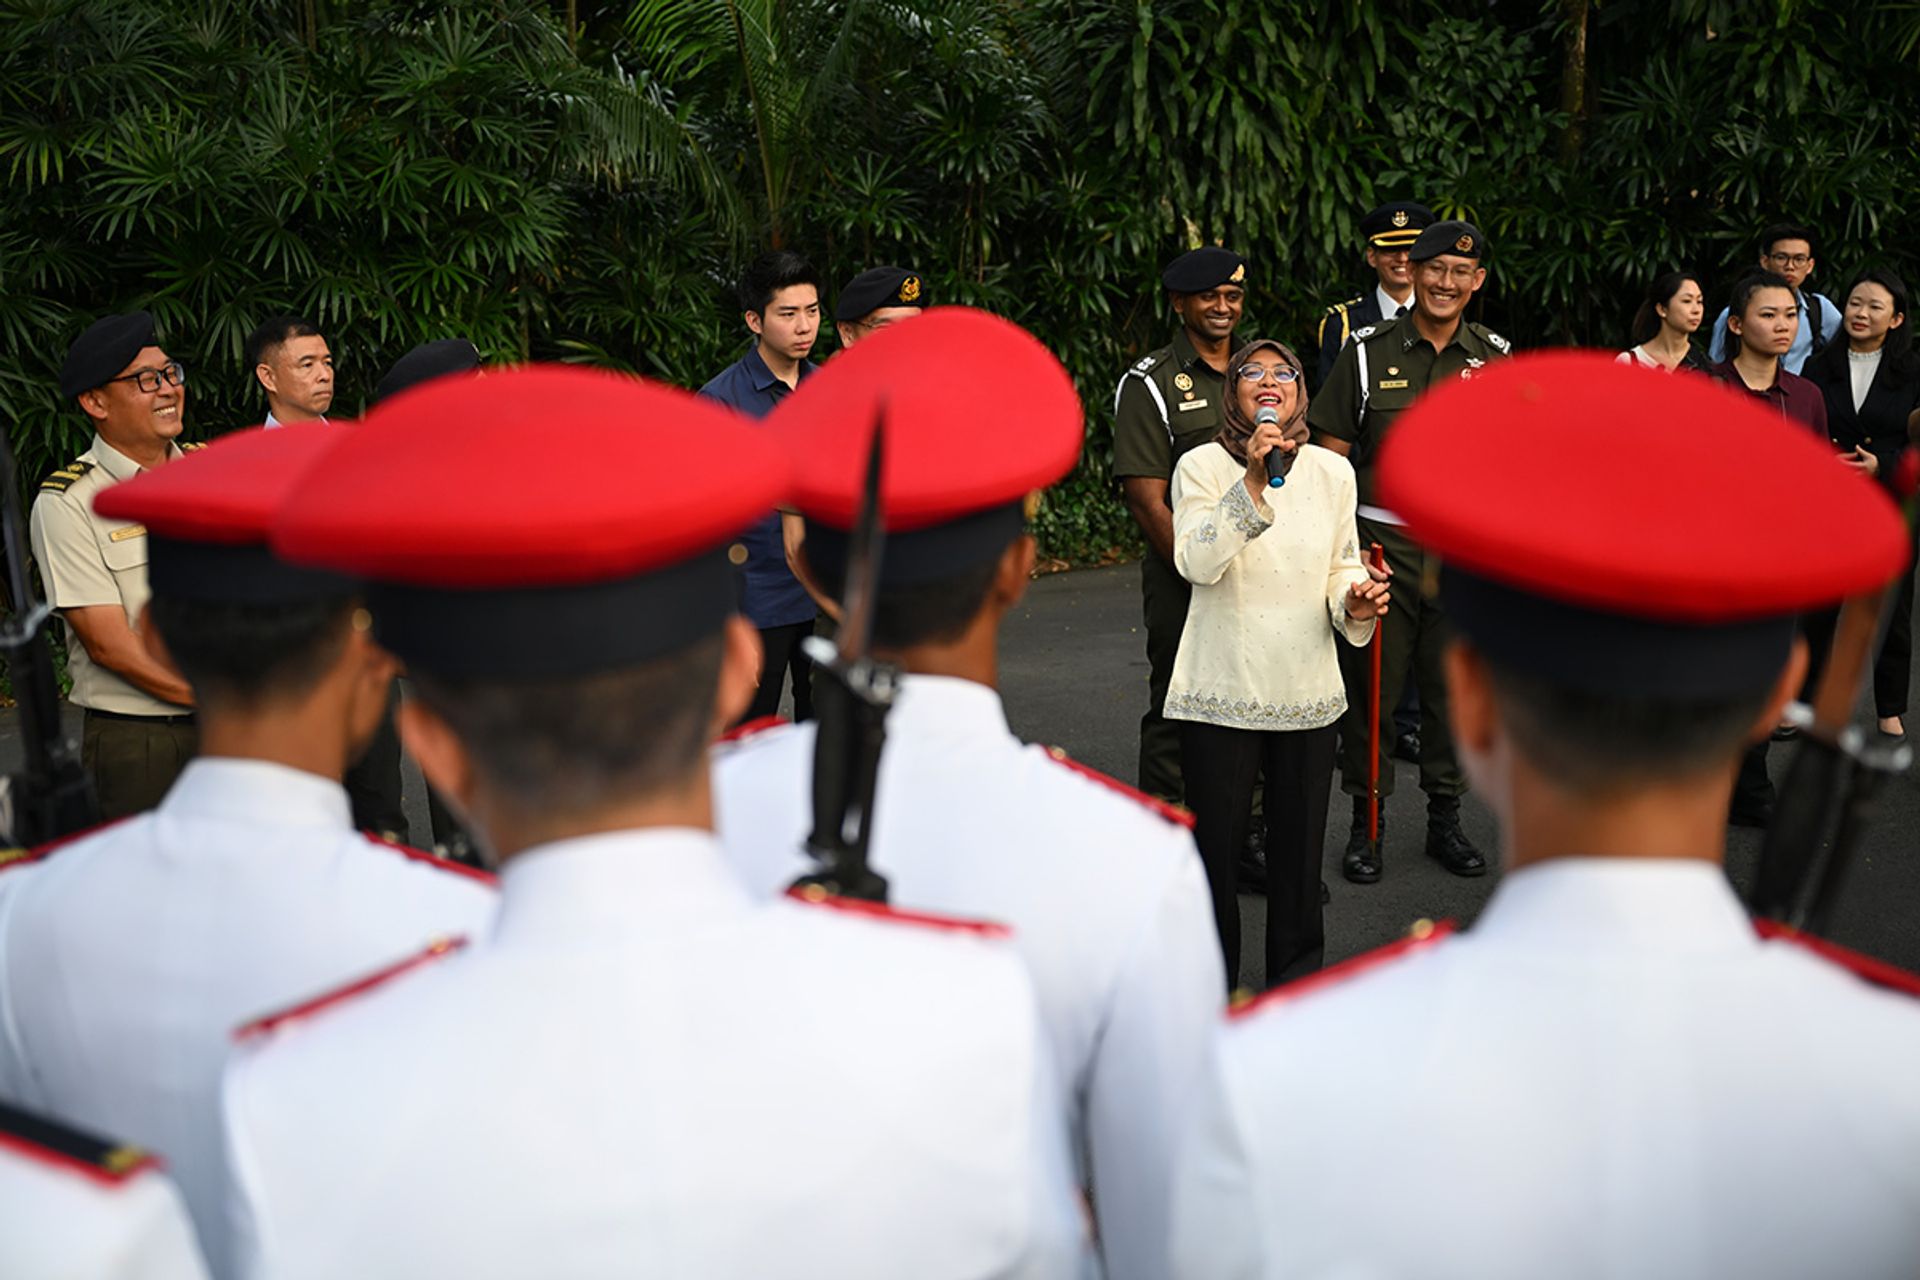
x=131 y=531
x=1192 y=404
x=1393 y=384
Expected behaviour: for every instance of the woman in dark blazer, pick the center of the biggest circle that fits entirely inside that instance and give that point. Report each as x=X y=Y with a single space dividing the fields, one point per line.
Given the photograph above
x=1870 y=377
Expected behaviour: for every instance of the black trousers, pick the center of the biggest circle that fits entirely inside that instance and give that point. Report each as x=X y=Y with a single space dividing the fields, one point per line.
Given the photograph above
x=782 y=654
x=1894 y=670
x=1219 y=766
x=133 y=760
x=1164 y=596
x=1412 y=647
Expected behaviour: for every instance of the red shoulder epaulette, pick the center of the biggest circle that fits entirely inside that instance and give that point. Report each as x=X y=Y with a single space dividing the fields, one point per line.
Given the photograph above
x=1171 y=812
x=412 y=854
x=1424 y=934
x=50 y=1141
x=359 y=986
x=818 y=897
x=11 y=858
x=741 y=732
x=1878 y=972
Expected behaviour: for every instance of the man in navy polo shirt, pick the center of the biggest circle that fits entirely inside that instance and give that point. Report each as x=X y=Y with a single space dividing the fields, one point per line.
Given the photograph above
x=780 y=296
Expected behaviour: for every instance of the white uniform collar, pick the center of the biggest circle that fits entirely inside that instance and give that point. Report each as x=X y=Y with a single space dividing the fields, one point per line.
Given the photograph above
x=660 y=878
x=1388 y=307
x=229 y=789
x=1672 y=905
x=947 y=706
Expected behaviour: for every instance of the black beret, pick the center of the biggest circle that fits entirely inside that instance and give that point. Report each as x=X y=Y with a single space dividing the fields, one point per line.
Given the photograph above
x=425 y=362
x=1460 y=238
x=878 y=287
x=1204 y=269
x=1396 y=225
x=108 y=346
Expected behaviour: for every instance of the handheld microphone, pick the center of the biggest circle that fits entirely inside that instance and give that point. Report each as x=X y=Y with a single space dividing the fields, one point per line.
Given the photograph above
x=1275 y=478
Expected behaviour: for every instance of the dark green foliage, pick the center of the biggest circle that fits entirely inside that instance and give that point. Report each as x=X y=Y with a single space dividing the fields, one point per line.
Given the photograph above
x=399 y=170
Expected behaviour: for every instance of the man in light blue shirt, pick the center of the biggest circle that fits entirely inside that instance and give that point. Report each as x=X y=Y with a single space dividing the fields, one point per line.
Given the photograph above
x=1787 y=250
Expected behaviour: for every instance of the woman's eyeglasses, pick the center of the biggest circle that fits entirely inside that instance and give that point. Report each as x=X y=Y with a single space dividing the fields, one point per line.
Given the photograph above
x=1282 y=374
x=148 y=380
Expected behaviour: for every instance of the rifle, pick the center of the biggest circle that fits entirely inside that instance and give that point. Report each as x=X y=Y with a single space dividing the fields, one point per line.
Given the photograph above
x=850 y=711
x=51 y=796
x=1837 y=771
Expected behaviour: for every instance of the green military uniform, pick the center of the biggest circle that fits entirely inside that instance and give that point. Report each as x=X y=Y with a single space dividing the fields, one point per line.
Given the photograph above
x=1375 y=378
x=1167 y=403
x=132 y=744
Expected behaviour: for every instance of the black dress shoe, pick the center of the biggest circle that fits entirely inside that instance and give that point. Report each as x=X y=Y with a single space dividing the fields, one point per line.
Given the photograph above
x=1250 y=868
x=1361 y=862
x=1406 y=747
x=1448 y=845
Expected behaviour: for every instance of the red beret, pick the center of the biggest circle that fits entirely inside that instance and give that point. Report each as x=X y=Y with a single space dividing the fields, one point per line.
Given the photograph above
x=1621 y=529
x=977 y=414
x=1635 y=491
x=229 y=492
x=208 y=515
x=540 y=522
x=531 y=477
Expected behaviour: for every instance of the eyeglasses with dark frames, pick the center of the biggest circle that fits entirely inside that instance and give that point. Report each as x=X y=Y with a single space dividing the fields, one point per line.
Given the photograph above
x=148 y=380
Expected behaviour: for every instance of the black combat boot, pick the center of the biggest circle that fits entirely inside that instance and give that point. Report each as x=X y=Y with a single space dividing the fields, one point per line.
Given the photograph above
x=1361 y=863
x=1447 y=844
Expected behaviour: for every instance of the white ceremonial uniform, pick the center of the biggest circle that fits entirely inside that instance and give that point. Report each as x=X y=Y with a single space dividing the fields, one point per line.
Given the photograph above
x=660 y=1076
x=1611 y=1075
x=128 y=957
x=1107 y=901
x=59 y=1221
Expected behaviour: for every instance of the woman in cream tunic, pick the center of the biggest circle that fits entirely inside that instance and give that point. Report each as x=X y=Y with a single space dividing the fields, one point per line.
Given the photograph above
x=1276 y=573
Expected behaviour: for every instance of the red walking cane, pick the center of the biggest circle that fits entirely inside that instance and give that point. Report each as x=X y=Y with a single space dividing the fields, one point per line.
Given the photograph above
x=1377 y=557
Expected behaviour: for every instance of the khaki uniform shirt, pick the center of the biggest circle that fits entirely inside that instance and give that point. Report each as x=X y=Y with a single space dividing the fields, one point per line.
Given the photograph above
x=1380 y=373
x=85 y=560
x=1170 y=401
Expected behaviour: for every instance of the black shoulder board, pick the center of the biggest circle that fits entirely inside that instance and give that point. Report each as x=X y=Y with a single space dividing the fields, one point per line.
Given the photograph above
x=61 y=480
x=1505 y=347
x=62 y=1144
x=1338 y=307
x=189 y=448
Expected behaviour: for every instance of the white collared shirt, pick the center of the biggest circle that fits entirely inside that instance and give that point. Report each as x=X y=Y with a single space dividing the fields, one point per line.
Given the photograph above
x=645 y=1072
x=1610 y=1075
x=1107 y=900
x=57 y=1220
x=275 y=422
x=1389 y=305
x=128 y=957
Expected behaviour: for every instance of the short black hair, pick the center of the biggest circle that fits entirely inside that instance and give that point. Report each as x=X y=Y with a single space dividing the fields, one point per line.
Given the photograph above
x=240 y=655
x=771 y=272
x=1743 y=291
x=1787 y=231
x=922 y=612
x=276 y=331
x=1646 y=321
x=1594 y=742
x=565 y=747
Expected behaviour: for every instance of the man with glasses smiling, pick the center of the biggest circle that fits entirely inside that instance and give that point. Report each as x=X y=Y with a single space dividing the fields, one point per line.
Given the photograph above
x=139 y=730
x=1787 y=251
x=1375 y=378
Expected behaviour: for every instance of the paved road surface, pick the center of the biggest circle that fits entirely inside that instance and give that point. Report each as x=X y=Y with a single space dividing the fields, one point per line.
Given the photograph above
x=1074 y=674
